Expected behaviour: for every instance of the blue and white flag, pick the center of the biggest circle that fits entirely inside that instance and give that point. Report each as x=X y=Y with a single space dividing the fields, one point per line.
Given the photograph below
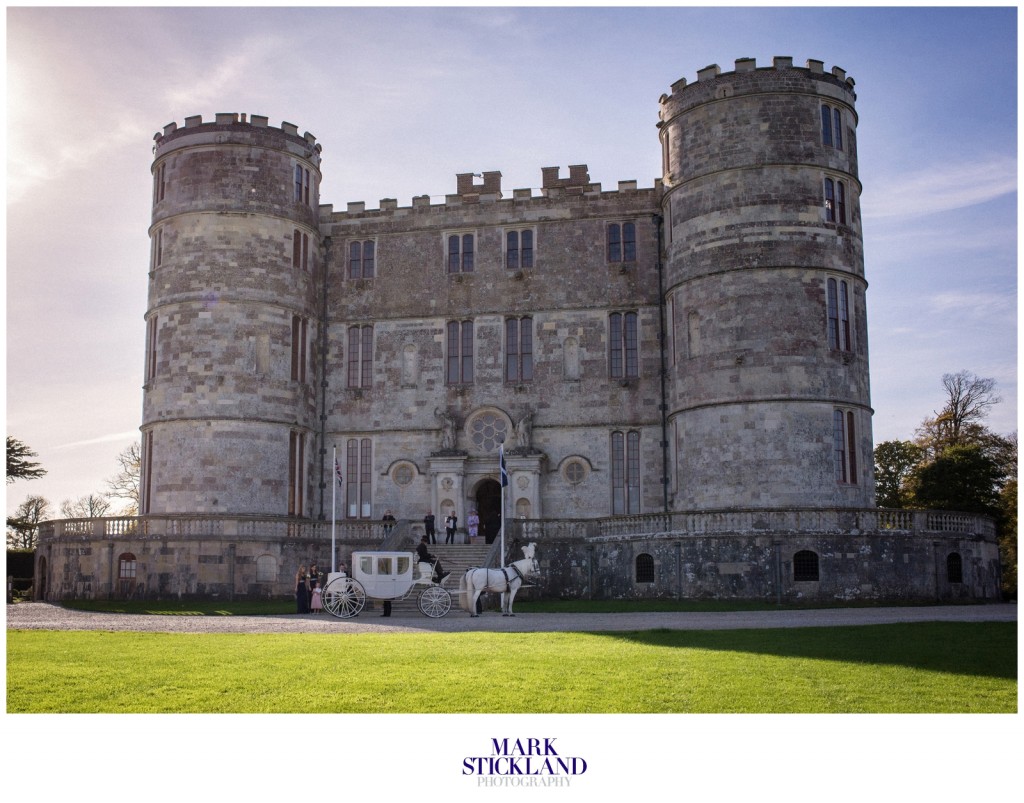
x=501 y=464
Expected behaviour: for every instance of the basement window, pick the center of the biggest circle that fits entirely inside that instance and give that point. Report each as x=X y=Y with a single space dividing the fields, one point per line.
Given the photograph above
x=805 y=566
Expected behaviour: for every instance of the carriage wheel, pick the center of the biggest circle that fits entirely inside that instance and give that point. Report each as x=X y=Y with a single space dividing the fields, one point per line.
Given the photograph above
x=344 y=597
x=434 y=601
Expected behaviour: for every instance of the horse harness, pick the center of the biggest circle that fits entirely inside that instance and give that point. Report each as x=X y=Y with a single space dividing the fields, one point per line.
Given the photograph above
x=504 y=573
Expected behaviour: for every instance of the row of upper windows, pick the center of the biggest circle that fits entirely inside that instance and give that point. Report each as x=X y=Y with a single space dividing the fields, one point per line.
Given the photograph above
x=460 y=344
x=519 y=250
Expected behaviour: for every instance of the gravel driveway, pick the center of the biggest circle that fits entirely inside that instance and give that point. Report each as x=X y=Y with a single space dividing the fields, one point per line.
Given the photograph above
x=47 y=616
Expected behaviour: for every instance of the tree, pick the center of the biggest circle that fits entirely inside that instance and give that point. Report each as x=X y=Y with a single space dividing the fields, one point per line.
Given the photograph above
x=23 y=526
x=894 y=464
x=968 y=399
x=19 y=467
x=962 y=478
x=92 y=506
x=1008 y=537
x=125 y=484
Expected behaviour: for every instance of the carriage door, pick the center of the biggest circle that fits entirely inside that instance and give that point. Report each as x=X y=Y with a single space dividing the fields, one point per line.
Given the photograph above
x=385 y=578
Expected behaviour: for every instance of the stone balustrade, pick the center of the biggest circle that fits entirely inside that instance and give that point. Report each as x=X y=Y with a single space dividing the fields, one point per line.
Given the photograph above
x=695 y=523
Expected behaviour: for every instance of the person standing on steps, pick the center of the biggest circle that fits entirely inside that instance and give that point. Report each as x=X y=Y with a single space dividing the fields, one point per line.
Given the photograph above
x=428 y=526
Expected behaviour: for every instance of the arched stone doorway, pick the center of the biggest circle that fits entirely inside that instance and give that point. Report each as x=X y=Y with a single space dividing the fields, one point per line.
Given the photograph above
x=488 y=506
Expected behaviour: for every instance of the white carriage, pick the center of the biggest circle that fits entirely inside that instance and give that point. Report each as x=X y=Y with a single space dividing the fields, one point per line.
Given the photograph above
x=388 y=576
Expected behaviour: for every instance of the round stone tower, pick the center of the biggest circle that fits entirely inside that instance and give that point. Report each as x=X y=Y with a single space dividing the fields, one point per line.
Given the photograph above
x=768 y=401
x=229 y=406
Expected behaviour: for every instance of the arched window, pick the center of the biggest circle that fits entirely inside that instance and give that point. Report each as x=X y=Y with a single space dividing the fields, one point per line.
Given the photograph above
x=805 y=566
x=126 y=571
x=644 y=568
x=954 y=568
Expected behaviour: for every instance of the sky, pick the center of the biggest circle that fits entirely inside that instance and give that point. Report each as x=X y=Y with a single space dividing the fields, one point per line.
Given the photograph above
x=403 y=99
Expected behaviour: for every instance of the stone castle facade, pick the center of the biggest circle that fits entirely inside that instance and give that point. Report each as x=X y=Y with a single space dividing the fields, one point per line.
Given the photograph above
x=694 y=347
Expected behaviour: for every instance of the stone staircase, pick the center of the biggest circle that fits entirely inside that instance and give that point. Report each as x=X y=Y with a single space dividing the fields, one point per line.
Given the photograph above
x=455 y=558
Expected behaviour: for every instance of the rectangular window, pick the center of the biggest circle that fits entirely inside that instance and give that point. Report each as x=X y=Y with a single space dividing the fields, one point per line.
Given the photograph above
x=298 y=183
x=838 y=131
x=625 y=473
x=623 y=352
x=159 y=184
x=147 y=473
x=839 y=333
x=826 y=125
x=460 y=253
x=460 y=353
x=305 y=186
x=361 y=259
x=519 y=249
x=841 y=202
x=518 y=349
x=158 y=248
x=360 y=356
x=358 y=458
x=296 y=472
x=299 y=339
x=844 y=449
x=151 y=329
x=622 y=242
x=300 y=250
x=830 y=200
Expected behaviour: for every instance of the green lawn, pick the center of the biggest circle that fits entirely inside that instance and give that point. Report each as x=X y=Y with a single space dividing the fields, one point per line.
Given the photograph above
x=928 y=667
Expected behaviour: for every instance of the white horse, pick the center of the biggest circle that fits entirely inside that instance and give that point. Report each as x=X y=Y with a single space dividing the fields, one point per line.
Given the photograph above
x=506 y=581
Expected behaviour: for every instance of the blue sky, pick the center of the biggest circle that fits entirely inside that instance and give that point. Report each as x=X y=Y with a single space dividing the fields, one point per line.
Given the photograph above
x=403 y=99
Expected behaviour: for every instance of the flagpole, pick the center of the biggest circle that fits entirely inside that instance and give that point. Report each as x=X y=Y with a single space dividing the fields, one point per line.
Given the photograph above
x=334 y=507
x=504 y=481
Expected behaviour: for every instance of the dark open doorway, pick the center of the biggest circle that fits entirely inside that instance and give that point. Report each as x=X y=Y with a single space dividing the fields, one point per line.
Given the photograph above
x=488 y=505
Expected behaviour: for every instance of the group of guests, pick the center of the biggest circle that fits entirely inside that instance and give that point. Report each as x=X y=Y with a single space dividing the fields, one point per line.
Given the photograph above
x=308 y=588
x=451 y=524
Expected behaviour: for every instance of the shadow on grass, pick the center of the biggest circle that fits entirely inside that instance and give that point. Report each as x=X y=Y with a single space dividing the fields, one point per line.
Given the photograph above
x=983 y=649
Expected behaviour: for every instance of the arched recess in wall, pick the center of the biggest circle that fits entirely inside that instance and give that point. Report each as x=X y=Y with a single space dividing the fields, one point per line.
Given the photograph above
x=571 y=359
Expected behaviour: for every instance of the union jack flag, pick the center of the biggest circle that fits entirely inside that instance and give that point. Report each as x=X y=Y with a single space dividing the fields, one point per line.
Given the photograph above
x=501 y=465
x=337 y=472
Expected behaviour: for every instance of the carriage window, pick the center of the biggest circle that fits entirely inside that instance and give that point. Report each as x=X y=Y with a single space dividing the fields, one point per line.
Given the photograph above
x=403 y=565
x=384 y=566
x=366 y=565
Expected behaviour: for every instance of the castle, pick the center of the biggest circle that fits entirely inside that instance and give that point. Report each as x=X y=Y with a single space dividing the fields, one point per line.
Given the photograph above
x=694 y=351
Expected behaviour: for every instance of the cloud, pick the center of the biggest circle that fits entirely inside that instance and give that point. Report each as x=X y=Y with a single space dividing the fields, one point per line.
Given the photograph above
x=941 y=189
x=114 y=437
